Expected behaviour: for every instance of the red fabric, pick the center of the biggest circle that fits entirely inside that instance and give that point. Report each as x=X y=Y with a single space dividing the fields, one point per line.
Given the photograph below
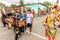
x=48 y=35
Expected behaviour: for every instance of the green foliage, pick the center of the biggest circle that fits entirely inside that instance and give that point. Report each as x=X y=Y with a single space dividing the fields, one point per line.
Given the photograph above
x=47 y=3
x=13 y=5
x=1 y=4
x=21 y=2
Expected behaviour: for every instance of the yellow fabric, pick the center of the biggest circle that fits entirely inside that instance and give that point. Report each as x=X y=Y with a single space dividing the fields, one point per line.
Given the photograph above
x=49 y=22
x=56 y=4
x=55 y=12
x=50 y=26
x=58 y=17
x=48 y=19
x=44 y=20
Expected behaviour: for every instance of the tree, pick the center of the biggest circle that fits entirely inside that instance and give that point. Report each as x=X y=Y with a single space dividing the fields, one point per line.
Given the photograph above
x=2 y=5
x=21 y=3
x=47 y=3
x=13 y=5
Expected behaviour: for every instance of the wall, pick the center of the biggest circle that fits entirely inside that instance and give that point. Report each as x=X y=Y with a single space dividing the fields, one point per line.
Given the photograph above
x=35 y=7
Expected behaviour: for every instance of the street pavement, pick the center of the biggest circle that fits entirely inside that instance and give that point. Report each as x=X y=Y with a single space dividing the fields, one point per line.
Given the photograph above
x=37 y=32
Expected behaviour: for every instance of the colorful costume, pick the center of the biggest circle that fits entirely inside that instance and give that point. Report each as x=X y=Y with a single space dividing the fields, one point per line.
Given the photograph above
x=58 y=20
x=58 y=17
x=50 y=28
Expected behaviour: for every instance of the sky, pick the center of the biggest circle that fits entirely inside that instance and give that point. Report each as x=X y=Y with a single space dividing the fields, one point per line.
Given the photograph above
x=9 y=2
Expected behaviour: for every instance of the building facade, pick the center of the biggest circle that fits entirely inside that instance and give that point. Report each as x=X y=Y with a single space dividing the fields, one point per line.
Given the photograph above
x=35 y=7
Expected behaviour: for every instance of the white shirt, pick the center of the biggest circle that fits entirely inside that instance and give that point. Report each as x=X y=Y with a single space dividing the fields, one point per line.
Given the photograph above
x=29 y=18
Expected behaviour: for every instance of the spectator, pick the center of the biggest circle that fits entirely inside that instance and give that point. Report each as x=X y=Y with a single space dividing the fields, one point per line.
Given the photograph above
x=29 y=20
